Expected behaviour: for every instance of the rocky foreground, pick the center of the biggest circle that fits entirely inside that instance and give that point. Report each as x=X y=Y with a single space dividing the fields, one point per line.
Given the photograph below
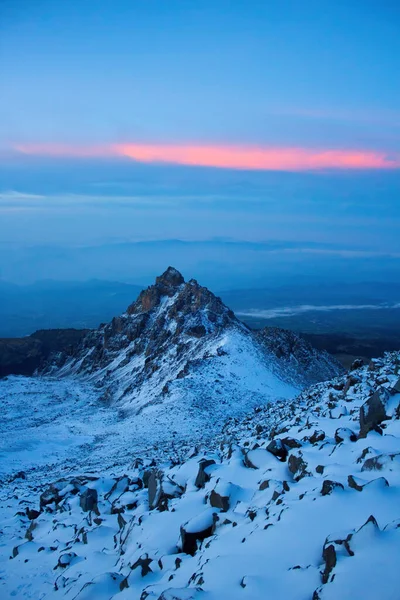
x=301 y=501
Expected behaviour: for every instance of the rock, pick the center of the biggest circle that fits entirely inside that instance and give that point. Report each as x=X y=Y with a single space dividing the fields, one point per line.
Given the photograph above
x=49 y=496
x=88 y=500
x=328 y=486
x=202 y=476
x=223 y=495
x=197 y=529
x=373 y=411
x=377 y=463
x=350 y=382
x=257 y=458
x=290 y=442
x=30 y=530
x=395 y=389
x=153 y=484
x=320 y=469
x=277 y=448
x=143 y=563
x=297 y=466
x=352 y=482
x=218 y=501
x=32 y=514
x=357 y=364
x=317 y=436
x=65 y=559
x=329 y=557
x=344 y=434
x=160 y=490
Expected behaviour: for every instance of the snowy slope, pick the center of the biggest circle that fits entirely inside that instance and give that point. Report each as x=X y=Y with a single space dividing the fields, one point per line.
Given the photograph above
x=301 y=500
x=157 y=380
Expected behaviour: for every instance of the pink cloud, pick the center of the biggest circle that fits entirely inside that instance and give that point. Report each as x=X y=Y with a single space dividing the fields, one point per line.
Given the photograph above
x=231 y=157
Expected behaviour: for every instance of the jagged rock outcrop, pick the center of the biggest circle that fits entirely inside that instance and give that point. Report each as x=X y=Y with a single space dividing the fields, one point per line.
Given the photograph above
x=297 y=355
x=174 y=329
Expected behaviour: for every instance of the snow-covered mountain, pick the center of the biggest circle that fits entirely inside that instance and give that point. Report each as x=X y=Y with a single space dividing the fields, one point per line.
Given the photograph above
x=297 y=500
x=178 y=342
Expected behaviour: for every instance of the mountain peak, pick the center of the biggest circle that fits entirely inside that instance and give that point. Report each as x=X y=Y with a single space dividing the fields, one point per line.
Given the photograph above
x=171 y=277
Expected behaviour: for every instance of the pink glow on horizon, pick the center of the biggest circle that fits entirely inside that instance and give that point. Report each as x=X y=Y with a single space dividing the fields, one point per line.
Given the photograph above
x=227 y=157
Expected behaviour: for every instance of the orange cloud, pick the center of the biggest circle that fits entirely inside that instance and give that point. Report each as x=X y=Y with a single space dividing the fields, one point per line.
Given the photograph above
x=227 y=157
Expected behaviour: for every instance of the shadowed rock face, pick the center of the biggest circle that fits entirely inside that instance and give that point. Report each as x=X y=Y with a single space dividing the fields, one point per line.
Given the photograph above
x=298 y=355
x=22 y=356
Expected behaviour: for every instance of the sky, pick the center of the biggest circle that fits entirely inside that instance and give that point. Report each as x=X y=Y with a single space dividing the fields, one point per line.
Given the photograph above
x=144 y=120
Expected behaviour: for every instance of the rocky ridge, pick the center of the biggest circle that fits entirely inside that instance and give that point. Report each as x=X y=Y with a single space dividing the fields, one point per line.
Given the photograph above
x=171 y=331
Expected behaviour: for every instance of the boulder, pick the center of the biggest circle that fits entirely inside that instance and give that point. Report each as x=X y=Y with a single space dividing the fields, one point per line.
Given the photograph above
x=197 y=529
x=202 y=476
x=160 y=490
x=32 y=514
x=49 y=496
x=290 y=442
x=357 y=364
x=66 y=559
x=224 y=496
x=297 y=466
x=317 y=436
x=395 y=389
x=377 y=463
x=88 y=500
x=350 y=382
x=258 y=458
x=344 y=434
x=373 y=411
x=278 y=449
x=329 y=486
x=329 y=557
x=143 y=563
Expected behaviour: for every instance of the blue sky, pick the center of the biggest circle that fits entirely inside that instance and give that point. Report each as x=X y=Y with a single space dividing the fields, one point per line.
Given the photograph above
x=283 y=72
x=124 y=121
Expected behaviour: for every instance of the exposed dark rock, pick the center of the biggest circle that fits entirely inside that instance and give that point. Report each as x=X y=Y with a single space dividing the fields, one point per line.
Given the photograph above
x=377 y=463
x=65 y=559
x=88 y=500
x=50 y=495
x=344 y=434
x=357 y=364
x=373 y=411
x=161 y=490
x=278 y=449
x=297 y=466
x=351 y=381
x=353 y=484
x=191 y=533
x=329 y=557
x=329 y=486
x=299 y=356
x=32 y=513
x=290 y=442
x=143 y=563
x=317 y=436
x=202 y=475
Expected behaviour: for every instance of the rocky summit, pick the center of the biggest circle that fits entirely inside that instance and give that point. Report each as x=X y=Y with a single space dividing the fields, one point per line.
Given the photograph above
x=173 y=332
